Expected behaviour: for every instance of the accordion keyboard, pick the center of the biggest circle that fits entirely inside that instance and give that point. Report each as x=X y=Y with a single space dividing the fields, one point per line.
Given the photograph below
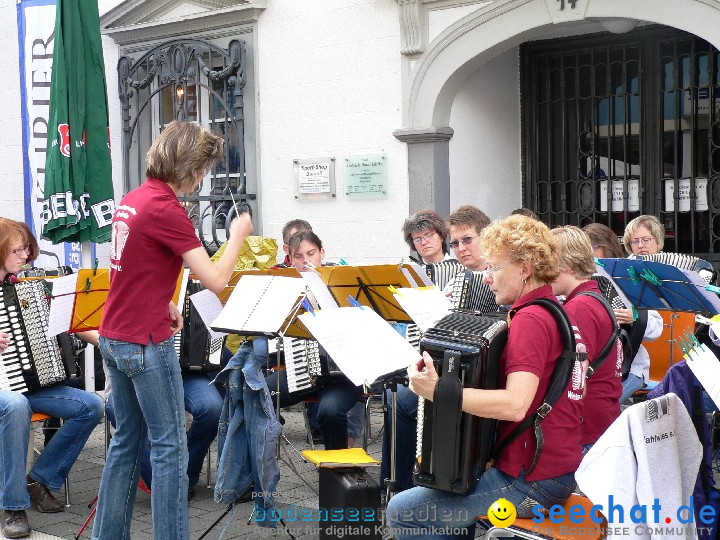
x=302 y=363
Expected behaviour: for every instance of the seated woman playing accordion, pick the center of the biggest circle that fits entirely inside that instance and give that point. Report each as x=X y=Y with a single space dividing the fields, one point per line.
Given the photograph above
x=522 y=257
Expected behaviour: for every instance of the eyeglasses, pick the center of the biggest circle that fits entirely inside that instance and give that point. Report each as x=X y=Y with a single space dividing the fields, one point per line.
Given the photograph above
x=644 y=240
x=19 y=251
x=490 y=270
x=466 y=240
x=424 y=238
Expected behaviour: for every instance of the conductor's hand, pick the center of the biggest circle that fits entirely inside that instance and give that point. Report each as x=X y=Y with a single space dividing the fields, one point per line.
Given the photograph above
x=624 y=316
x=4 y=341
x=423 y=377
x=175 y=318
x=241 y=227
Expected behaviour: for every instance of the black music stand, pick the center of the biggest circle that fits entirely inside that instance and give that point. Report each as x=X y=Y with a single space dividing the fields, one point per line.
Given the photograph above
x=272 y=330
x=654 y=285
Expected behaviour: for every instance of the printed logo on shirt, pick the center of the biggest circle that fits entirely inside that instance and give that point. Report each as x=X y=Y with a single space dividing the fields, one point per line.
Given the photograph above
x=577 y=379
x=120 y=233
x=656 y=409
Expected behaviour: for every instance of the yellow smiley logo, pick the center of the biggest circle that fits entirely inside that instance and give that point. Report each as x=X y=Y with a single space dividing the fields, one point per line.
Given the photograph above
x=502 y=513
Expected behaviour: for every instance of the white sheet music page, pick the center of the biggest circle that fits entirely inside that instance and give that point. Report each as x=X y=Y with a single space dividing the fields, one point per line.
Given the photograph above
x=259 y=305
x=61 y=306
x=422 y=273
x=706 y=367
x=362 y=344
x=208 y=306
x=319 y=290
x=425 y=305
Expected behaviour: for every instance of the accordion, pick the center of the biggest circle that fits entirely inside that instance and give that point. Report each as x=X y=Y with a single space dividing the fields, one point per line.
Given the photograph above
x=197 y=351
x=45 y=272
x=469 y=293
x=443 y=272
x=453 y=447
x=33 y=359
x=302 y=363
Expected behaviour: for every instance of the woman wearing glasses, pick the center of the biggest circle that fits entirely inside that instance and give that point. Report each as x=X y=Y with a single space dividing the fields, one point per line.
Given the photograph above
x=644 y=235
x=425 y=233
x=81 y=411
x=522 y=261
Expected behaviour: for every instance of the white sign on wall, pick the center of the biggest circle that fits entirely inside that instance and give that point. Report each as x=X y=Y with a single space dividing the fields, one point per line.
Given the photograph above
x=618 y=195
x=701 y=202
x=314 y=178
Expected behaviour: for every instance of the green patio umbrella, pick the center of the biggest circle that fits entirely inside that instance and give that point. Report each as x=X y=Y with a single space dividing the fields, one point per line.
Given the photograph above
x=78 y=198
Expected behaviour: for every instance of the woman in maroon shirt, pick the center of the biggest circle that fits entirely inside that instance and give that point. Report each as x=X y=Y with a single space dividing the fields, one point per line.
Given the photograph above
x=601 y=404
x=522 y=257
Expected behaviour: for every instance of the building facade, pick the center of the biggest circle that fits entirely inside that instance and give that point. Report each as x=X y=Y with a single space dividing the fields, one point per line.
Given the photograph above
x=583 y=110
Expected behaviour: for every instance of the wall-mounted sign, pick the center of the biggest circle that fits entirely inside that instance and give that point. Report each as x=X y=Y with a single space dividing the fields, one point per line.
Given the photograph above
x=314 y=178
x=618 y=195
x=701 y=201
x=366 y=176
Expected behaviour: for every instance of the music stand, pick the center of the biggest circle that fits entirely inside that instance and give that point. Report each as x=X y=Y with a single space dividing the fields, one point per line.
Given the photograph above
x=654 y=285
x=369 y=286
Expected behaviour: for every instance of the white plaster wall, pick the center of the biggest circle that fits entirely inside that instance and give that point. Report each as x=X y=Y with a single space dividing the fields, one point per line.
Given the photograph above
x=485 y=149
x=11 y=170
x=329 y=83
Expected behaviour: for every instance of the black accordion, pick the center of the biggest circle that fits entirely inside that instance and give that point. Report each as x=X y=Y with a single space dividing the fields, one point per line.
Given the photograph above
x=469 y=293
x=453 y=447
x=197 y=351
x=302 y=363
x=33 y=360
x=443 y=272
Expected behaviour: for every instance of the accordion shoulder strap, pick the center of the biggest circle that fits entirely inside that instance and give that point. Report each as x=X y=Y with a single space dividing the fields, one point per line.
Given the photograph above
x=603 y=354
x=447 y=415
x=558 y=381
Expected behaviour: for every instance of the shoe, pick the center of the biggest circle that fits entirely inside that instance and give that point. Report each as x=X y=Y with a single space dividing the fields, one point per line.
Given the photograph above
x=41 y=497
x=15 y=524
x=191 y=494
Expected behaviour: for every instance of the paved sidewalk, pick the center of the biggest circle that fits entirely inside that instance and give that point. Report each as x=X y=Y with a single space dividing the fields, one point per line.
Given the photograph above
x=298 y=486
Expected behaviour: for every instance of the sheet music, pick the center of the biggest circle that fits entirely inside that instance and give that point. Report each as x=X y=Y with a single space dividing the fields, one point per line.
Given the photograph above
x=362 y=344
x=420 y=271
x=208 y=306
x=697 y=280
x=62 y=304
x=320 y=290
x=426 y=305
x=706 y=367
x=259 y=305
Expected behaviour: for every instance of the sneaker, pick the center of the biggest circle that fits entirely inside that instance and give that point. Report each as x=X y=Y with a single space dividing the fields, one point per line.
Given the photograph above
x=15 y=524
x=41 y=497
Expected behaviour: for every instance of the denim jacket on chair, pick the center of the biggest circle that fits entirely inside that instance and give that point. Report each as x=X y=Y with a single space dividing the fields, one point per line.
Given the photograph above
x=247 y=436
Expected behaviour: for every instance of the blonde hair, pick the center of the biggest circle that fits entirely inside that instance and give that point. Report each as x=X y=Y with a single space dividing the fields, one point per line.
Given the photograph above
x=183 y=152
x=652 y=224
x=524 y=239
x=576 y=252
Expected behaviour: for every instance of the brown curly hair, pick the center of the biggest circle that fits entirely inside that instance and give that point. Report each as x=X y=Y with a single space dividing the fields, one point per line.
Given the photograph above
x=524 y=239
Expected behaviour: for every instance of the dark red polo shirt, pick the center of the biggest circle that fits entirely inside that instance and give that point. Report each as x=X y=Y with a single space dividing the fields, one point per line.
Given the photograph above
x=601 y=405
x=150 y=232
x=535 y=345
